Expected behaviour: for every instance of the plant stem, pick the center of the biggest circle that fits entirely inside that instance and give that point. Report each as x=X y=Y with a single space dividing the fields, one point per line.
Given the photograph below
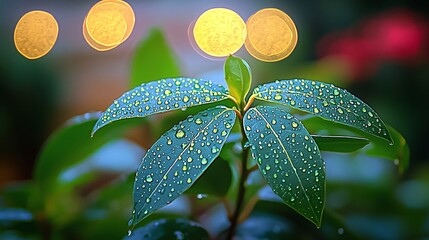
x=241 y=187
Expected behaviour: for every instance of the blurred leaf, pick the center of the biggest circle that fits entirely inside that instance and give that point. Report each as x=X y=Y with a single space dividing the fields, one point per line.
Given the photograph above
x=153 y=60
x=264 y=226
x=326 y=101
x=288 y=158
x=161 y=96
x=15 y=195
x=178 y=158
x=210 y=183
x=168 y=229
x=107 y=212
x=333 y=226
x=68 y=146
x=398 y=152
x=238 y=77
x=343 y=144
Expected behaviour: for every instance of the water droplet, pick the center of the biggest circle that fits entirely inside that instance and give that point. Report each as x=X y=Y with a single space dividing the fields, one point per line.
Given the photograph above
x=325 y=103
x=340 y=110
x=189 y=180
x=292 y=199
x=267 y=167
x=149 y=178
x=184 y=168
x=292 y=102
x=185 y=99
x=129 y=233
x=316 y=110
x=336 y=92
x=201 y=196
x=167 y=92
x=180 y=133
x=189 y=159
x=215 y=149
x=278 y=97
x=370 y=114
x=198 y=121
x=169 y=142
x=273 y=122
x=294 y=124
x=204 y=161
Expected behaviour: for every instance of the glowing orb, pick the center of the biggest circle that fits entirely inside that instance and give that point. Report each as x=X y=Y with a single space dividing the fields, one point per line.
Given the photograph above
x=108 y=24
x=271 y=35
x=219 y=32
x=35 y=34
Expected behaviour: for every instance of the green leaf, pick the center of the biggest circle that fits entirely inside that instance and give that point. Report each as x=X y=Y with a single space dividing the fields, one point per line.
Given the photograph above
x=162 y=96
x=326 y=101
x=68 y=146
x=398 y=152
x=288 y=158
x=238 y=77
x=178 y=158
x=343 y=144
x=153 y=60
x=167 y=229
x=209 y=183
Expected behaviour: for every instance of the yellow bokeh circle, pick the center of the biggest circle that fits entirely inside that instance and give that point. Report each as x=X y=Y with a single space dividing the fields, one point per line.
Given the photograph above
x=219 y=32
x=108 y=24
x=271 y=35
x=35 y=34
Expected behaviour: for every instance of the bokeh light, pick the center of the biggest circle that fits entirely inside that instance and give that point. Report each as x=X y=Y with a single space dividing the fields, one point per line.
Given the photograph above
x=271 y=35
x=108 y=24
x=219 y=32
x=35 y=34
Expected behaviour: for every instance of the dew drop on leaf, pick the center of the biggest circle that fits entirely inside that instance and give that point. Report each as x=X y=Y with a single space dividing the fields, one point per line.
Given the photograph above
x=180 y=133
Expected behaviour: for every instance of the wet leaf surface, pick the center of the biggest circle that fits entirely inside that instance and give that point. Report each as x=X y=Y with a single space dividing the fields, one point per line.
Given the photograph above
x=162 y=96
x=326 y=101
x=288 y=158
x=178 y=158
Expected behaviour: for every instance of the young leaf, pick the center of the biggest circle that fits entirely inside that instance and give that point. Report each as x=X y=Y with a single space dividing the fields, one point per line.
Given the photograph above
x=238 y=77
x=161 y=96
x=153 y=60
x=326 y=101
x=343 y=144
x=179 y=158
x=170 y=229
x=288 y=158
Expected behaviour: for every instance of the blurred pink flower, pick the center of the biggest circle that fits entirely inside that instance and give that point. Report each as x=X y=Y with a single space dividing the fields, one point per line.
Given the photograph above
x=398 y=35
